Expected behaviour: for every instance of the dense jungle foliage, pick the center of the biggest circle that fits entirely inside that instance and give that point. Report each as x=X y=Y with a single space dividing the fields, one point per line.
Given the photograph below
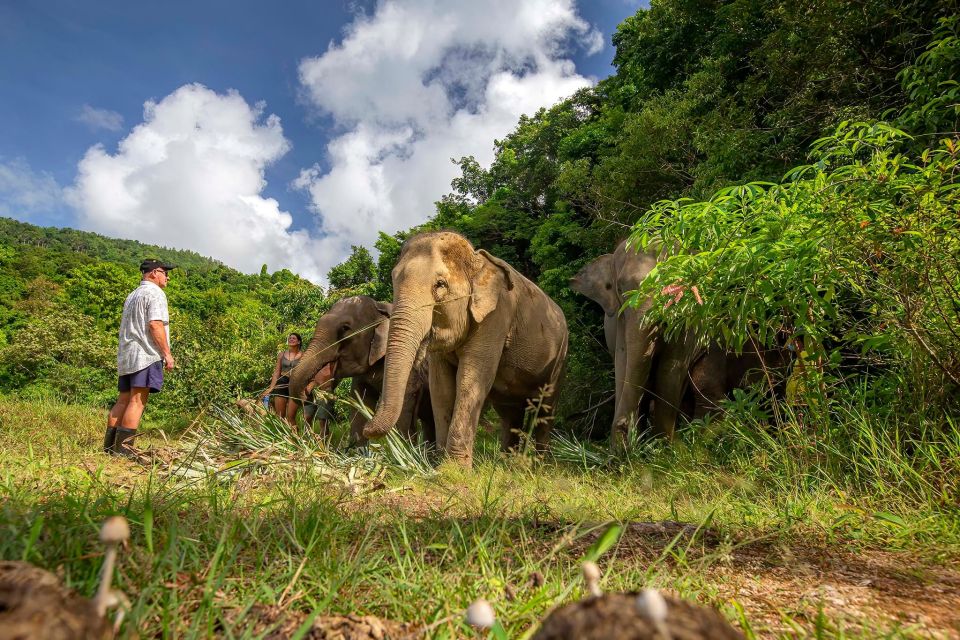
x=838 y=119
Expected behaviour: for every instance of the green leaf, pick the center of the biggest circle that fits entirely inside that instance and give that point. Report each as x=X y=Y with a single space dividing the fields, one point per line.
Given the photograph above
x=148 y=528
x=890 y=518
x=604 y=543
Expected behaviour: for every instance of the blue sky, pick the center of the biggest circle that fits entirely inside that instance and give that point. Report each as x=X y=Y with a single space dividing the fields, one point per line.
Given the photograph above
x=278 y=135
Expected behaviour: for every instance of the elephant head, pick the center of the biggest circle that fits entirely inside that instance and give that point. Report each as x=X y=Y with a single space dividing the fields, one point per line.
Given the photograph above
x=598 y=281
x=442 y=287
x=352 y=336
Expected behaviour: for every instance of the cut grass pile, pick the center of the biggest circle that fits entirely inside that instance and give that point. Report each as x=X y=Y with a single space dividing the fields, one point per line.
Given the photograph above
x=243 y=530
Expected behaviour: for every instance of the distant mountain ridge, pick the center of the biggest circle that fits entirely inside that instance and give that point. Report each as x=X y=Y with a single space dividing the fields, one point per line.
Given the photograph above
x=15 y=233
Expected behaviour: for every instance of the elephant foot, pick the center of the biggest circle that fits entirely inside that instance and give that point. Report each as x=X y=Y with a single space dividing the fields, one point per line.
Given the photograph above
x=620 y=439
x=465 y=460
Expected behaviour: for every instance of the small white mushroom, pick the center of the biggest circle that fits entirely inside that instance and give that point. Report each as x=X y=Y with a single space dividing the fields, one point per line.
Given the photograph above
x=591 y=577
x=115 y=531
x=480 y=614
x=652 y=606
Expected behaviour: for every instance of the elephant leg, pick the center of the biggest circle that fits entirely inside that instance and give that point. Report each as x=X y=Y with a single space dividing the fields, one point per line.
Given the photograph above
x=407 y=422
x=443 y=391
x=708 y=382
x=543 y=424
x=636 y=349
x=424 y=411
x=511 y=425
x=475 y=375
x=671 y=381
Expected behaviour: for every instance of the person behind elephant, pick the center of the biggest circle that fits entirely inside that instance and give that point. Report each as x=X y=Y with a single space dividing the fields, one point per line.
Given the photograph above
x=313 y=406
x=279 y=387
x=487 y=332
x=352 y=338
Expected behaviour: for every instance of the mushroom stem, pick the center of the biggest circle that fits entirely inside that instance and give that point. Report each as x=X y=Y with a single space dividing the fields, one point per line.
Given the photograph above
x=102 y=599
x=113 y=532
x=591 y=576
x=652 y=606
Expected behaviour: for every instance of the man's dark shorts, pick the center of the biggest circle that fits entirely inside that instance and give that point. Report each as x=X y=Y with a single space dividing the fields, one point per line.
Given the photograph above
x=151 y=376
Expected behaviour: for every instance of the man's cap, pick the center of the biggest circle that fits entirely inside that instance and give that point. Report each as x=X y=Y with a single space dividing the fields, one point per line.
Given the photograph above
x=152 y=263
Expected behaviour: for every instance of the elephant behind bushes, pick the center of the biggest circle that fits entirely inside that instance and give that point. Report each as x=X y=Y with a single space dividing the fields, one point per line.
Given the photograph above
x=678 y=374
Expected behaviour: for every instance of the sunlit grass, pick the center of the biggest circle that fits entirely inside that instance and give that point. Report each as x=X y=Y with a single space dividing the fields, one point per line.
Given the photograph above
x=237 y=550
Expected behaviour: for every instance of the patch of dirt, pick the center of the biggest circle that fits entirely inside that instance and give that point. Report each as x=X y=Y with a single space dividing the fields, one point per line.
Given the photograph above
x=332 y=627
x=616 y=616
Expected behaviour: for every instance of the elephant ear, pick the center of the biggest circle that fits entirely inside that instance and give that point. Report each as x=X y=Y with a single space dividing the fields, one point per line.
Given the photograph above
x=491 y=275
x=378 y=343
x=598 y=282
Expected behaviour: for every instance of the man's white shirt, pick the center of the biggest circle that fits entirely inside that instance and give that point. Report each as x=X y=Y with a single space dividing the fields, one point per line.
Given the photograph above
x=137 y=350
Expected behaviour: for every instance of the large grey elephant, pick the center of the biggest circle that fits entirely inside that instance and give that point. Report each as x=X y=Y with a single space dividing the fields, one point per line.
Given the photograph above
x=488 y=333
x=352 y=336
x=676 y=375
x=635 y=348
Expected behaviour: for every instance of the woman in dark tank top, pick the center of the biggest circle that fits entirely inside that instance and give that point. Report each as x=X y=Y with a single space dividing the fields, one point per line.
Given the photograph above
x=279 y=386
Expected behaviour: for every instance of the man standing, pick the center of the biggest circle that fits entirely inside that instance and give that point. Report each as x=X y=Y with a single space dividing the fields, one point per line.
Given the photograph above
x=143 y=354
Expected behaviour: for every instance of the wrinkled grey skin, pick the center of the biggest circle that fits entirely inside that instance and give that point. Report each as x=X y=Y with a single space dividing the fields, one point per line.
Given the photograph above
x=487 y=332
x=353 y=336
x=676 y=375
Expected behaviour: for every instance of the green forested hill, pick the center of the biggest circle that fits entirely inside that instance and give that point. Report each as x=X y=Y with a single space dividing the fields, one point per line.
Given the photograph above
x=62 y=291
x=84 y=246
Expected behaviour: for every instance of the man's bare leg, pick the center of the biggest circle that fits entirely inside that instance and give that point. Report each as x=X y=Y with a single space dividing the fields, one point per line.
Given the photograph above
x=127 y=427
x=114 y=418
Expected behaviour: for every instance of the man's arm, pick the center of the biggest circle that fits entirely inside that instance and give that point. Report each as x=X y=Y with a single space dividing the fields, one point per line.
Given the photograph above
x=159 y=335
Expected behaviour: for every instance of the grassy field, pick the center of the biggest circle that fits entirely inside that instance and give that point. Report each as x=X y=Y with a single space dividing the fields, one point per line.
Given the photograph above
x=243 y=532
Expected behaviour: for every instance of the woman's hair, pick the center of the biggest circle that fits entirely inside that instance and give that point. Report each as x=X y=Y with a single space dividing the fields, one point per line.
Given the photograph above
x=299 y=338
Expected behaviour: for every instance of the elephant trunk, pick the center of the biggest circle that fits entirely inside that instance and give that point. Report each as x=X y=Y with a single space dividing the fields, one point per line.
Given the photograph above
x=409 y=326
x=320 y=352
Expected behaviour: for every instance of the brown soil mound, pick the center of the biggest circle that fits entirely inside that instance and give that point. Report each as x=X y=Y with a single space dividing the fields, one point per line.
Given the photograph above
x=615 y=616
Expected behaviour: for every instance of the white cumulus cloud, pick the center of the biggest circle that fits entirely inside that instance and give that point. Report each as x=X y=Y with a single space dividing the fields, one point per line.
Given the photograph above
x=100 y=118
x=190 y=176
x=25 y=193
x=419 y=82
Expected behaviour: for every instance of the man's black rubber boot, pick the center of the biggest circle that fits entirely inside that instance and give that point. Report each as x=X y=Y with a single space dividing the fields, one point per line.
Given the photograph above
x=108 y=439
x=122 y=445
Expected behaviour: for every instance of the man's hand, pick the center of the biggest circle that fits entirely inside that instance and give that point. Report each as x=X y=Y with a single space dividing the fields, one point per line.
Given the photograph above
x=169 y=362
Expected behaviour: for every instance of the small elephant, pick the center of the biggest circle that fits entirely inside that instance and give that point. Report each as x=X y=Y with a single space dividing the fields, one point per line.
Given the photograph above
x=488 y=333
x=716 y=372
x=352 y=336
